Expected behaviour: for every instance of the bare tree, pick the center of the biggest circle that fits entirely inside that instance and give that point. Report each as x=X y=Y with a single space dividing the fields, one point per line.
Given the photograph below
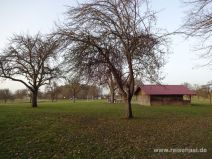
x=93 y=92
x=75 y=87
x=198 y=23
x=30 y=61
x=21 y=93
x=112 y=86
x=118 y=35
x=6 y=94
x=53 y=90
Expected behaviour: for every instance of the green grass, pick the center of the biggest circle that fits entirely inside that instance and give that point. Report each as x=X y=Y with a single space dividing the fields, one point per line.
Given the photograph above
x=97 y=129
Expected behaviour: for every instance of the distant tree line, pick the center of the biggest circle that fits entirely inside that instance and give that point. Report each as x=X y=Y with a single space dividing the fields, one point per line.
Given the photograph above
x=54 y=93
x=72 y=92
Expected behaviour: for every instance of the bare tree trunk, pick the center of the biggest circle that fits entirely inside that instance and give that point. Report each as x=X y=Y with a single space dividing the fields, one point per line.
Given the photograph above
x=34 y=98
x=129 y=114
x=112 y=95
x=112 y=89
x=74 y=99
x=130 y=91
x=52 y=98
x=74 y=91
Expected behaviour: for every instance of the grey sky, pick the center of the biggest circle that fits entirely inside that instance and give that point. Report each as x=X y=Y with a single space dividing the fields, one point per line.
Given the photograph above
x=31 y=16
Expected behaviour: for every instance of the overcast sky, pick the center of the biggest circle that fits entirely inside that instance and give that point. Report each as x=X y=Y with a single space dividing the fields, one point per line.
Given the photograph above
x=31 y=16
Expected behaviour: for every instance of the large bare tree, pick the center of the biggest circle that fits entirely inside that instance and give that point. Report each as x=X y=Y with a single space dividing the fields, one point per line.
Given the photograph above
x=30 y=60
x=198 y=24
x=118 y=35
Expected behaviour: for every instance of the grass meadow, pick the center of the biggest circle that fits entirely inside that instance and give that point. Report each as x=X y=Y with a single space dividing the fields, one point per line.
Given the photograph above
x=97 y=129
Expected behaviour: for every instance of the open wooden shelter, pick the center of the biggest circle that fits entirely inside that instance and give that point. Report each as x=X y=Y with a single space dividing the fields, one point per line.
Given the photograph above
x=163 y=95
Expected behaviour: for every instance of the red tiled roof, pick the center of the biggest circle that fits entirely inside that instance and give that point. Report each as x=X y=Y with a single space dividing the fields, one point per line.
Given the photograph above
x=166 y=90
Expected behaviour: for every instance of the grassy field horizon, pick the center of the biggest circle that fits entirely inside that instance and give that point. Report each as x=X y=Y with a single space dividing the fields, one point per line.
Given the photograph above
x=97 y=129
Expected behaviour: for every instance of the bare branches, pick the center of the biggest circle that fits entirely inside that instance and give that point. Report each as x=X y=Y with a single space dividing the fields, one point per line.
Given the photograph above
x=113 y=36
x=198 y=24
x=29 y=60
x=199 y=18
